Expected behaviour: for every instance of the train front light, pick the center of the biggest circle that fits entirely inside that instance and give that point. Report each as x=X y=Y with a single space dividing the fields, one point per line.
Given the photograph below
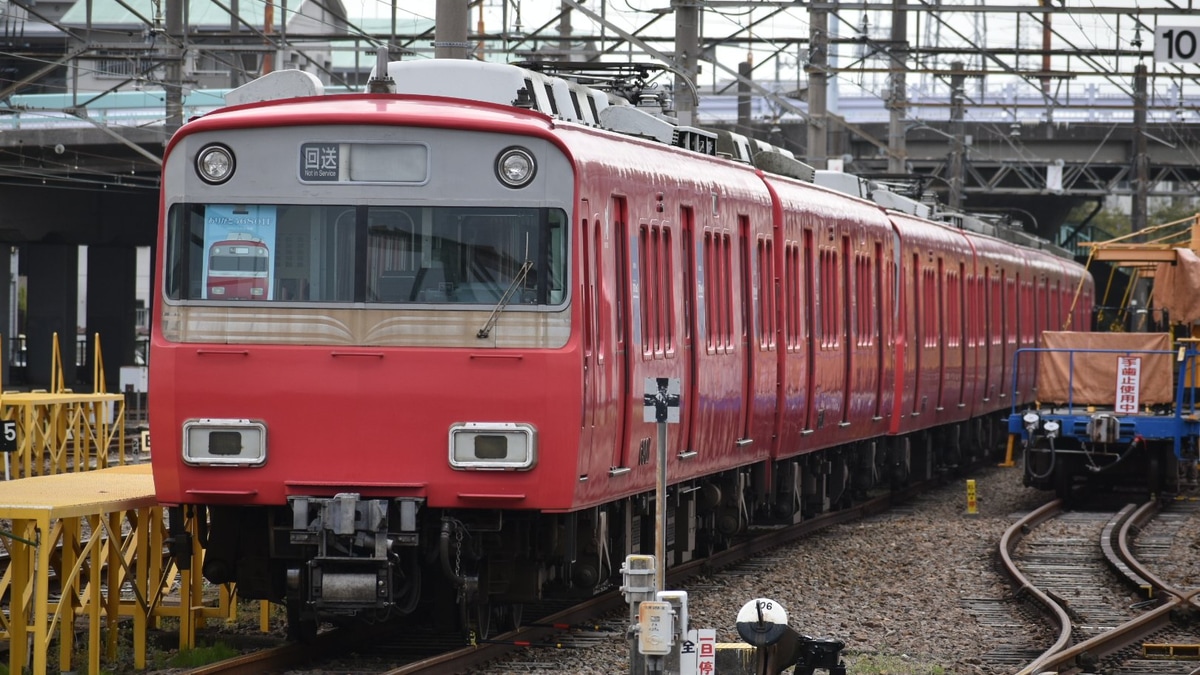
x=215 y=164
x=224 y=442
x=496 y=446
x=515 y=167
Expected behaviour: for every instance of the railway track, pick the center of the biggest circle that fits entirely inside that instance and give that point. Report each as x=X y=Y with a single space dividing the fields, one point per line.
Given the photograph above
x=1071 y=563
x=559 y=628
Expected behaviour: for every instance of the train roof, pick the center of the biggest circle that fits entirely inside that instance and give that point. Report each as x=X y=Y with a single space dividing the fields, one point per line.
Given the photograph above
x=617 y=98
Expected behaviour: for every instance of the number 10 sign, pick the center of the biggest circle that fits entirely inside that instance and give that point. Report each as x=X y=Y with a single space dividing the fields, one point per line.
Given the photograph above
x=1177 y=44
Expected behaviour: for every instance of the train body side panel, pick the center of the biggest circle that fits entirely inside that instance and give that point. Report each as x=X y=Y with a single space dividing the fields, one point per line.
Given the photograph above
x=934 y=260
x=700 y=325
x=836 y=255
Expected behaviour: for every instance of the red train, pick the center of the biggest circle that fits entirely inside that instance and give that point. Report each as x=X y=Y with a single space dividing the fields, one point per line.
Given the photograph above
x=237 y=269
x=492 y=264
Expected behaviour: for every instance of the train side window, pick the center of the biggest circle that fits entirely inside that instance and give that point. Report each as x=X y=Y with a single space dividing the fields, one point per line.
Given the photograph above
x=185 y=252
x=710 y=296
x=726 y=288
x=649 y=293
x=791 y=297
x=954 y=317
x=766 y=302
x=666 y=285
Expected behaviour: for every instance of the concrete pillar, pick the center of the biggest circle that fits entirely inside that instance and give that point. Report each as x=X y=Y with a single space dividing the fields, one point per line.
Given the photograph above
x=111 y=310
x=51 y=307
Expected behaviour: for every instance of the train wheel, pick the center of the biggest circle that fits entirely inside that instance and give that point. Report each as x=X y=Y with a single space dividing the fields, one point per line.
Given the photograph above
x=506 y=616
x=1154 y=477
x=516 y=612
x=483 y=620
x=1064 y=480
x=302 y=622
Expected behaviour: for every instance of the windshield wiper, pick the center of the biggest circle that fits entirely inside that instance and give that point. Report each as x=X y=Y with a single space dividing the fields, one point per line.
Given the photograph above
x=504 y=299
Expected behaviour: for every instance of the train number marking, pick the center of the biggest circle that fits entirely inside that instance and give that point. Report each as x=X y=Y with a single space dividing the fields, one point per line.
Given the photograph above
x=8 y=440
x=1176 y=44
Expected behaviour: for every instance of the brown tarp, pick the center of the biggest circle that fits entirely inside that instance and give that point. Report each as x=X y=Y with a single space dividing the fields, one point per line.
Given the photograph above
x=1095 y=375
x=1176 y=286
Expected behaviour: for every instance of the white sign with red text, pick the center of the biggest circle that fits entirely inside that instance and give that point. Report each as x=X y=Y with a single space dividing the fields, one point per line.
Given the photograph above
x=698 y=655
x=1129 y=380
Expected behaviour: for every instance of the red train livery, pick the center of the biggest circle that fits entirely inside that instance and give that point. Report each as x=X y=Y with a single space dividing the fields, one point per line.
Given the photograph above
x=443 y=403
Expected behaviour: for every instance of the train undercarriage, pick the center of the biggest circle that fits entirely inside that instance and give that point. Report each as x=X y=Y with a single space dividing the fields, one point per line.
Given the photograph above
x=1142 y=466
x=347 y=558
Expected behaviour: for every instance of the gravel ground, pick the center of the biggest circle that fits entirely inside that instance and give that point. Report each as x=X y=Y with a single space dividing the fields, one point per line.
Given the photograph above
x=895 y=588
x=892 y=587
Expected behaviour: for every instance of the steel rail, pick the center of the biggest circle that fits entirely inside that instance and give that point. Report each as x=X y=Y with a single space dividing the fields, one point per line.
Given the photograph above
x=1115 y=543
x=1008 y=543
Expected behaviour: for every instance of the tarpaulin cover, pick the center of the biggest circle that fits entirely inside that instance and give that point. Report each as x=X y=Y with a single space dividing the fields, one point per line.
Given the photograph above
x=1095 y=375
x=1175 y=287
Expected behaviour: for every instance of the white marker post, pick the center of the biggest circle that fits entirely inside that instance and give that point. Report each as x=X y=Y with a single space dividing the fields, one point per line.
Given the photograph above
x=661 y=406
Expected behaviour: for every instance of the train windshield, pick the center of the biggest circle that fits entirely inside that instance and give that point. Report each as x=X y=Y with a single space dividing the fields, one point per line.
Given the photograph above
x=369 y=254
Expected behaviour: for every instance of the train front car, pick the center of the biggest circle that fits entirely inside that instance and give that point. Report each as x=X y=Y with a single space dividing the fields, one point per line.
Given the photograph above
x=405 y=387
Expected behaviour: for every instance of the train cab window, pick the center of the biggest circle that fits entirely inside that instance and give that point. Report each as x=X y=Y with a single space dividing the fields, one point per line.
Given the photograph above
x=341 y=254
x=261 y=252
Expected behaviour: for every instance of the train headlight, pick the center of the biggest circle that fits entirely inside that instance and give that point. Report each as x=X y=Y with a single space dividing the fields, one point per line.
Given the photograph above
x=220 y=442
x=215 y=164
x=502 y=446
x=1031 y=420
x=515 y=167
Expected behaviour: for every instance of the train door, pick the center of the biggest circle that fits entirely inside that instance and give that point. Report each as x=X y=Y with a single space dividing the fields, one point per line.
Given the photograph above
x=988 y=330
x=1003 y=326
x=687 y=235
x=622 y=320
x=849 y=296
x=589 y=232
x=940 y=300
x=746 y=254
x=876 y=310
x=918 y=330
x=965 y=336
x=810 y=332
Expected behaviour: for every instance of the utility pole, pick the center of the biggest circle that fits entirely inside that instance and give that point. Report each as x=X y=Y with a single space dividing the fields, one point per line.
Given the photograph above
x=957 y=159
x=687 y=46
x=897 y=101
x=818 y=84
x=1141 y=188
x=235 y=79
x=746 y=71
x=173 y=86
x=564 y=33
x=1141 y=161
x=450 y=33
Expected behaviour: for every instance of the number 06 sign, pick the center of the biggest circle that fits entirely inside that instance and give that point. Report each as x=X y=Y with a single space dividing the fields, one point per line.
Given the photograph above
x=1176 y=44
